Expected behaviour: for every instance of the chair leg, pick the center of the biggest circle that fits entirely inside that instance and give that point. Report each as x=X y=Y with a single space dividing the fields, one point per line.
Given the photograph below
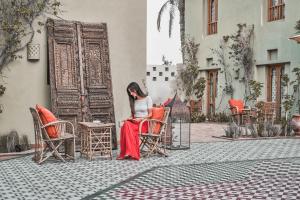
x=53 y=152
x=155 y=148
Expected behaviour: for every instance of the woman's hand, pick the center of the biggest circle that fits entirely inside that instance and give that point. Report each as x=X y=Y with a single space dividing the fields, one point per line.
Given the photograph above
x=136 y=119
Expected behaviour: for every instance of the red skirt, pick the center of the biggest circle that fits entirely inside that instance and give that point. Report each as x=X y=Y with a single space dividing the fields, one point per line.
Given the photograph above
x=129 y=139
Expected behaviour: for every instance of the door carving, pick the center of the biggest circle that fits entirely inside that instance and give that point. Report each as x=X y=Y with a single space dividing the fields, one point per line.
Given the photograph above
x=79 y=68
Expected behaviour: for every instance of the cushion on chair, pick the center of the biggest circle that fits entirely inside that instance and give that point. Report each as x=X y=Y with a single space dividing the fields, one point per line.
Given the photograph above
x=237 y=103
x=158 y=114
x=47 y=117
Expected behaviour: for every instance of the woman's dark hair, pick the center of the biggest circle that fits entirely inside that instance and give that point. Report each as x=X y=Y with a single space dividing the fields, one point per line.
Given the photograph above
x=133 y=86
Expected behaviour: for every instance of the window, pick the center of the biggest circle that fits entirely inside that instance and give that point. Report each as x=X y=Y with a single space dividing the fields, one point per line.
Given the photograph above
x=212 y=26
x=275 y=9
x=166 y=69
x=272 y=54
x=172 y=73
x=160 y=73
x=166 y=78
x=148 y=73
x=154 y=68
x=209 y=62
x=154 y=78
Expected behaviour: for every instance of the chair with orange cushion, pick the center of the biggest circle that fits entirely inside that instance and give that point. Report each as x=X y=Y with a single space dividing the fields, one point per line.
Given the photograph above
x=157 y=125
x=238 y=111
x=50 y=134
x=241 y=116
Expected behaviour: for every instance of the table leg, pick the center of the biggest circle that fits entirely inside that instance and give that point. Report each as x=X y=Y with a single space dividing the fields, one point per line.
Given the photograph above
x=90 y=145
x=110 y=146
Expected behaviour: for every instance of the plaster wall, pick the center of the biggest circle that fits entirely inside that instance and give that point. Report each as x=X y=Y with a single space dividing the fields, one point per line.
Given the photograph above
x=161 y=82
x=267 y=36
x=26 y=81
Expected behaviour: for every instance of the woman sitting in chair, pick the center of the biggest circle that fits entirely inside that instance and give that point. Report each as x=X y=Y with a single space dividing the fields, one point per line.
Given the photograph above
x=141 y=107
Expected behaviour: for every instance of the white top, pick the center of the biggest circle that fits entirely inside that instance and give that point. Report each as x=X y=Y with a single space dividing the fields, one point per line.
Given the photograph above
x=141 y=106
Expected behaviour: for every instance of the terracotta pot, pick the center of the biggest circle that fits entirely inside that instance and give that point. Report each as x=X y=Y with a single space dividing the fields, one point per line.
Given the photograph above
x=295 y=123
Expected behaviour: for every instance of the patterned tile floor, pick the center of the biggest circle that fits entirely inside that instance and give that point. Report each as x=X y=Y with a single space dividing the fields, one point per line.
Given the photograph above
x=256 y=169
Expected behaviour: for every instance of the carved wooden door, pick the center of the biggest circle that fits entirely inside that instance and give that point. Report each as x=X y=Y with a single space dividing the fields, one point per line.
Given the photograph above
x=81 y=88
x=212 y=82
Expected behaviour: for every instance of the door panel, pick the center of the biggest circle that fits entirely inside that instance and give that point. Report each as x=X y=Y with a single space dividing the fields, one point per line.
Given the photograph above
x=98 y=86
x=80 y=79
x=64 y=71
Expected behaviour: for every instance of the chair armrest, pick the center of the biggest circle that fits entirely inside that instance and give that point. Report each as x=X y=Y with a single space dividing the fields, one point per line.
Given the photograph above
x=149 y=121
x=141 y=125
x=60 y=125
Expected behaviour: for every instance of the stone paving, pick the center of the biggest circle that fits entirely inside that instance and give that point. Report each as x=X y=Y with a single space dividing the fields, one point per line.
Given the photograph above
x=207 y=132
x=253 y=169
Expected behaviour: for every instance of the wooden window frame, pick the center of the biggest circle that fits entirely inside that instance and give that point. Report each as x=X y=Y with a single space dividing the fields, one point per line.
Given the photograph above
x=278 y=79
x=279 y=9
x=211 y=102
x=212 y=24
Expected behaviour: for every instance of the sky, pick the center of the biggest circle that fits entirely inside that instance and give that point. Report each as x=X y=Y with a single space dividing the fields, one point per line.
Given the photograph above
x=159 y=43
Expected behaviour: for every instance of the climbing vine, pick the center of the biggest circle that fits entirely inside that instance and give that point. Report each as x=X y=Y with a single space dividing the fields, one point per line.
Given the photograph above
x=188 y=80
x=241 y=53
x=221 y=54
x=16 y=27
x=238 y=50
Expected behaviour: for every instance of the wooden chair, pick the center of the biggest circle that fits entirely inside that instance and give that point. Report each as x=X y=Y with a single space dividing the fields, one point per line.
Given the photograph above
x=151 y=143
x=266 y=115
x=241 y=115
x=45 y=147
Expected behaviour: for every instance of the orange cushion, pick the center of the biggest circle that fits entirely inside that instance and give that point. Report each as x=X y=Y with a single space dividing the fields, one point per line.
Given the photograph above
x=157 y=113
x=47 y=117
x=237 y=103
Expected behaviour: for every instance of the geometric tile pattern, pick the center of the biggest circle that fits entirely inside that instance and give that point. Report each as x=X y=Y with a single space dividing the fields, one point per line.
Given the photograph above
x=205 y=167
x=269 y=179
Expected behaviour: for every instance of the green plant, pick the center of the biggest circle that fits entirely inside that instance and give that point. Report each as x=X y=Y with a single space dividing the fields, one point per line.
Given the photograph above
x=297 y=26
x=188 y=80
x=17 y=17
x=220 y=117
x=16 y=26
x=288 y=101
x=197 y=117
x=233 y=131
x=296 y=86
x=255 y=90
x=241 y=52
x=2 y=90
x=221 y=55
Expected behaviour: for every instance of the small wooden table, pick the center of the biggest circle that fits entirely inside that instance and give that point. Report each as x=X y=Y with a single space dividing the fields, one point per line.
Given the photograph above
x=96 y=139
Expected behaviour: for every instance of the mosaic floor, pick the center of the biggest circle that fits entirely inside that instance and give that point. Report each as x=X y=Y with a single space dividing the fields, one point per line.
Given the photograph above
x=256 y=169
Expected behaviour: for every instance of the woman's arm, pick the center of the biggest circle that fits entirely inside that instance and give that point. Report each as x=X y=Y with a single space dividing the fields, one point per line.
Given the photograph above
x=149 y=113
x=150 y=106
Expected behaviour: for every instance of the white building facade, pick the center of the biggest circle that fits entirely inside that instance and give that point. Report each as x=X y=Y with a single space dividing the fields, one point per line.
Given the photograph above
x=273 y=53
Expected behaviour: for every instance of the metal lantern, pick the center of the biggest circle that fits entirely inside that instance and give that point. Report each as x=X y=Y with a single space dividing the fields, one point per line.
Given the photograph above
x=179 y=128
